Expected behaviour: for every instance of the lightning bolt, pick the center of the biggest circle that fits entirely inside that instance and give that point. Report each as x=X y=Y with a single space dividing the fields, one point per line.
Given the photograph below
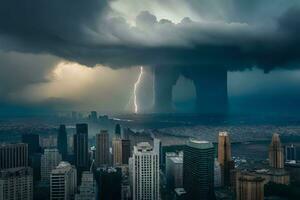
x=136 y=107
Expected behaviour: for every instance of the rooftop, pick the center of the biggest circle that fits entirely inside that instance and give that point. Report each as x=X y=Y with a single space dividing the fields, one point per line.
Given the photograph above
x=200 y=144
x=224 y=133
x=143 y=147
x=177 y=159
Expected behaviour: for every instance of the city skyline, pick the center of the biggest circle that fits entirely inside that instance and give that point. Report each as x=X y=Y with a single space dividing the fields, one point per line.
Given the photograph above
x=150 y=100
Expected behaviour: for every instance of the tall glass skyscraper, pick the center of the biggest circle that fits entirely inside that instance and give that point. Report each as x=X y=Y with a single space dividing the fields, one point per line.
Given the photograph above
x=62 y=143
x=81 y=149
x=198 y=170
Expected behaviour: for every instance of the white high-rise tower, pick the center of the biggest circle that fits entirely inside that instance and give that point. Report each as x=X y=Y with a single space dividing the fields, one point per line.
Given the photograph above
x=145 y=172
x=63 y=182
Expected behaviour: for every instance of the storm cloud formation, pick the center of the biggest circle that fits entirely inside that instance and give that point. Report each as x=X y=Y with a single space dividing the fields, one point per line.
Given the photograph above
x=193 y=38
x=239 y=33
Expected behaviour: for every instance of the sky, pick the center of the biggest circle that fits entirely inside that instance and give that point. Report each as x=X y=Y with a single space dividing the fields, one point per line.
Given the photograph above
x=85 y=55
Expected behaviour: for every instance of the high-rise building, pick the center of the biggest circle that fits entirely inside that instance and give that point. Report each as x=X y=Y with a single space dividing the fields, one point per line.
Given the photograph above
x=276 y=157
x=13 y=155
x=35 y=164
x=33 y=141
x=49 y=161
x=224 y=158
x=126 y=151
x=158 y=149
x=290 y=152
x=102 y=148
x=94 y=115
x=16 y=184
x=198 y=170
x=109 y=180
x=117 y=151
x=174 y=172
x=121 y=151
x=249 y=186
x=87 y=189
x=63 y=182
x=118 y=130
x=81 y=151
x=217 y=174
x=62 y=144
x=145 y=172
x=34 y=153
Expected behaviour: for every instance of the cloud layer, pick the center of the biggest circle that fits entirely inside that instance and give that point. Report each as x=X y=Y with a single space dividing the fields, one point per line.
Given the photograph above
x=36 y=35
x=239 y=33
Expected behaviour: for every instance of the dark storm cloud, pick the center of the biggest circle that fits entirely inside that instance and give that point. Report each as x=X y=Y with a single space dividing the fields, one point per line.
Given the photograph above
x=19 y=70
x=80 y=31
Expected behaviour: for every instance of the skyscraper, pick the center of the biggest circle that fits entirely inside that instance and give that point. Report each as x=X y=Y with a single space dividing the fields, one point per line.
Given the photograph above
x=217 y=174
x=290 y=152
x=93 y=115
x=81 y=147
x=13 y=155
x=224 y=158
x=145 y=172
x=174 y=172
x=49 y=161
x=249 y=186
x=33 y=141
x=158 y=149
x=16 y=184
x=118 y=130
x=126 y=151
x=102 y=148
x=63 y=182
x=117 y=151
x=34 y=153
x=87 y=189
x=62 y=143
x=109 y=181
x=198 y=170
x=276 y=157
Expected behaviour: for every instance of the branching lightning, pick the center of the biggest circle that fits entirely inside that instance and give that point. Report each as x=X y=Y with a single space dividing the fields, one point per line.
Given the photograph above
x=136 y=107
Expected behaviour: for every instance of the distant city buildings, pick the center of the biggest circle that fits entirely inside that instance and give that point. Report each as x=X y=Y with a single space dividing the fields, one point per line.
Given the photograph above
x=102 y=149
x=63 y=182
x=62 y=143
x=13 y=155
x=49 y=141
x=290 y=153
x=198 y=170
x=16 y=184
x=93 y=116
x=49 y=161
x=145 y=172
